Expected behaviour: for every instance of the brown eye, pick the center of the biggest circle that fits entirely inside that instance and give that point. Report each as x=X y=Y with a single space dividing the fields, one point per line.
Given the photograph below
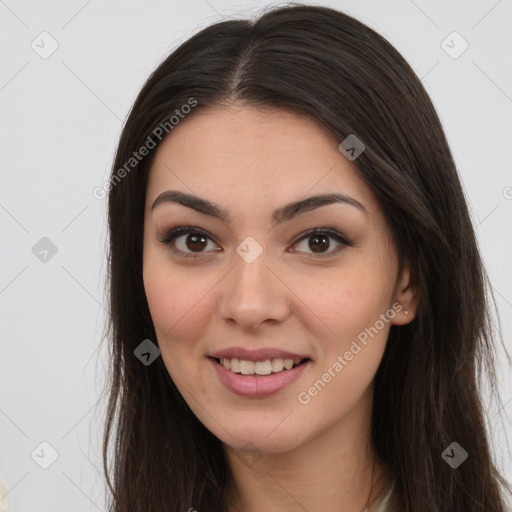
x=191 y=242
x=319 y=241
x=195 y=242
x=186 y=240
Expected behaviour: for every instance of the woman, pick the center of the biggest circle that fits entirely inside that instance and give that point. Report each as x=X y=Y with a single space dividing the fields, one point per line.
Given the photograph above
x=298 y=303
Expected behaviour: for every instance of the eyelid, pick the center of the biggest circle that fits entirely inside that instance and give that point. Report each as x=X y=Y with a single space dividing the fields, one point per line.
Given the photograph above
x=177 y=231
x=327 y=230
x=331 y=232
x=173 y=233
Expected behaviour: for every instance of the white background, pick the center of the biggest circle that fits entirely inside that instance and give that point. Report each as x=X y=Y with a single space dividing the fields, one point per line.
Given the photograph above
x=60 y=121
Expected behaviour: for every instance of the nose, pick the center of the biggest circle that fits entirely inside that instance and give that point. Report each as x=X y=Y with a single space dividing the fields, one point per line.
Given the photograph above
x=253 y=294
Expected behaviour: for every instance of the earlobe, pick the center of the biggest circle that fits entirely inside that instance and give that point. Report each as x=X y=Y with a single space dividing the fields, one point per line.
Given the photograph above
x=402 y=315
x=407 y=297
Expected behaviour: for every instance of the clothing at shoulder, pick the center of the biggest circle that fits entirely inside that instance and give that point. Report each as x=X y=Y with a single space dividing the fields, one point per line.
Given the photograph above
x=384 y=503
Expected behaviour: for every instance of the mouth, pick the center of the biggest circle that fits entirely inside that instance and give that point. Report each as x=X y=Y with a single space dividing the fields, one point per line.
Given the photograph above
x=259 y=368
x=258 y=379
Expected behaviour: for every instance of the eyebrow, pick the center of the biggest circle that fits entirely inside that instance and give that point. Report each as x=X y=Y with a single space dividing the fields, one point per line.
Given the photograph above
x=283 y=214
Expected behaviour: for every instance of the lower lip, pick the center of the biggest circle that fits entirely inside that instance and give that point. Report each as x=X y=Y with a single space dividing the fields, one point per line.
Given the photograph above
x=255 y=386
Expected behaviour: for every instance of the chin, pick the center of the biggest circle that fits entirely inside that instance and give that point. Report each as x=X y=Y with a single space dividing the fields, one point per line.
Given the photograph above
x=264 y=438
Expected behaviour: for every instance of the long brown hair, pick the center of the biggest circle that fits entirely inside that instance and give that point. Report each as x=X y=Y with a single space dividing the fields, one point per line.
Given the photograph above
x=328 y=66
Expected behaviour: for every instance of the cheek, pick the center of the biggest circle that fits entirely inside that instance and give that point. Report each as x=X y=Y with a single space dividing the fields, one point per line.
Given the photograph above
x=179 y=308
x=349 y=355
x=346 y=301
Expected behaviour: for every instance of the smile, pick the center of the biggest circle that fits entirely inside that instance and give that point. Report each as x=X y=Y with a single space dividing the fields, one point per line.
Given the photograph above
x=258 y=378
x=266 y=367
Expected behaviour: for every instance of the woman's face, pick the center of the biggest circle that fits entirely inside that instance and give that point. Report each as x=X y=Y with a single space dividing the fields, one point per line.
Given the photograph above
x=252 y=280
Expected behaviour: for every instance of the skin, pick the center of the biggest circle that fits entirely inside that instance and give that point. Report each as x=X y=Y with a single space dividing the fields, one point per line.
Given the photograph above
x=252 y=161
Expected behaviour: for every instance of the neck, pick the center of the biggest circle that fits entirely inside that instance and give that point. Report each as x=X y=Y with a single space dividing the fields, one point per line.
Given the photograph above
x=335 y=470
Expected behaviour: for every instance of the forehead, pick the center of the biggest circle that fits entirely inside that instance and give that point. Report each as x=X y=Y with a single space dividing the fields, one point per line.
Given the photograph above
x=245 y=155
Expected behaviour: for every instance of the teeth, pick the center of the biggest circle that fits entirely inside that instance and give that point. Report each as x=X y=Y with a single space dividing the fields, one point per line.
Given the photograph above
x=277 y=365
x=258 y=367
x=246 y=367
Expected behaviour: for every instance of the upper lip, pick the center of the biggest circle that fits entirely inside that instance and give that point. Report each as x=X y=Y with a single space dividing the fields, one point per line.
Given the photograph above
x=261 y=354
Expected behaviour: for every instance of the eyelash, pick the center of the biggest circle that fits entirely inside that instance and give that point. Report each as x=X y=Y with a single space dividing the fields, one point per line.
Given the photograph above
x=176 y=232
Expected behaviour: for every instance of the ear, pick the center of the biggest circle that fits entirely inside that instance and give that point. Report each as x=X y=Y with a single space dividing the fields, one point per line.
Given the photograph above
x=406 y=299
